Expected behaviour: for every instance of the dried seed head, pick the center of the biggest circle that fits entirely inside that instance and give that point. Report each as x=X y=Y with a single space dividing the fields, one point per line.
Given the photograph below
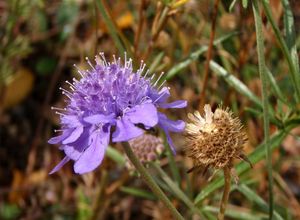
x=146 y=147
x=215 y=139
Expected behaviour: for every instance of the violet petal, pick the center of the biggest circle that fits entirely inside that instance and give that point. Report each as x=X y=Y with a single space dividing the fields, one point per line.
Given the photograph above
x=145 y=114
x=99 y=118
x=74 y=135
x=57 y=139
x=70 y=120
x=125 y=130
x=60 y=164
x=75 y=149
x=176 y=104
x=169 y=140
x=170 y=125
x=92 y=157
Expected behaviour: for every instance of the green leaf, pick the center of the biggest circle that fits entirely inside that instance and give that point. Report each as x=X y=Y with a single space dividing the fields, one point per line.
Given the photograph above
x=266 y=118
x=237 y=214
x=277 y=91
x=138 y=192
x=289 y=26
x=115 y=155
x=253 y=197
x=245 y=3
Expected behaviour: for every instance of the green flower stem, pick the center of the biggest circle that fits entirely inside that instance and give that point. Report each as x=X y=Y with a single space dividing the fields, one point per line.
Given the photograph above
x=263 y=77
x=150 y=181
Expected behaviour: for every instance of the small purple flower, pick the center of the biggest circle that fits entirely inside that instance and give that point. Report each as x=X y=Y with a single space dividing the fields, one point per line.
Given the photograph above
x=110 y=98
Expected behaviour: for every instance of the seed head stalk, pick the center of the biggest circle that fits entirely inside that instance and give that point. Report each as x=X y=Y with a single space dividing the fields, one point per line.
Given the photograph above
x=223 y=204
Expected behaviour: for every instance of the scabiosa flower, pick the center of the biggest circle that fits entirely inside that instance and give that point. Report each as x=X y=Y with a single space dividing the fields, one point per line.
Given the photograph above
x=215 y=139
x=110 y=101
x=146 y=147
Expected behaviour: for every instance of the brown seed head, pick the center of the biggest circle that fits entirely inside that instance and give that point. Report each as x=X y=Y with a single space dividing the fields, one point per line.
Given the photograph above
x=215 y=139
x=146 y=147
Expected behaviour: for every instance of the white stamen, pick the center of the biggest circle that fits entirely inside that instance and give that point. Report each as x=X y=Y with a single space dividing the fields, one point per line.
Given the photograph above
x=66 y=95
x=72 y=86
x=82 y=73
x=147 y=72
x=66 y=91
x=142 y=67
x=89 y=62
x=59 y=113
x=161 y=84
x=129 y=63
x=158 y=97
x=56 y=108
x=152 y=77
x=158 y=79
x=103 y=58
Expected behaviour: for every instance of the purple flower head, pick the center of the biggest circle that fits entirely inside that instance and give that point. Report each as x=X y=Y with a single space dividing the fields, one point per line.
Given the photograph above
x=110 y=100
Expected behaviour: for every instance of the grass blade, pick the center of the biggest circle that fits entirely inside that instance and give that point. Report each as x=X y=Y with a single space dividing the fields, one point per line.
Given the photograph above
x=277 y=91
x=194 y=55
x=263 y=78
x=110 y=26
x=290 y=33
x=138 y=192
x=176 y=190
x=295 y=76
x=237 y=214
x=240 y=87
x=115 y=155
x=234 y=82
x=253 y=197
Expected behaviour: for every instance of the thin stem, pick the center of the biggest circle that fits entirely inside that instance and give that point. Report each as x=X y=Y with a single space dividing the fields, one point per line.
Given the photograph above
x=227 y=182
x=150 y=181
x=209 y=54
x=263 y=77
